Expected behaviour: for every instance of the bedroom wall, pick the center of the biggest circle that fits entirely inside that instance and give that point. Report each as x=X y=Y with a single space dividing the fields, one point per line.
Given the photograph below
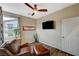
x=27 y=36
x=53 y=37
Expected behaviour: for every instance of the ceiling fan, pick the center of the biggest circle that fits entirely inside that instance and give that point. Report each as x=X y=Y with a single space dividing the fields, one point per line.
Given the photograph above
x=35 y=9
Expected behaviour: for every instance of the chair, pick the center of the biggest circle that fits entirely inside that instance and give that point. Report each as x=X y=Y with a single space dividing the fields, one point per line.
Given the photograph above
x=15 y=48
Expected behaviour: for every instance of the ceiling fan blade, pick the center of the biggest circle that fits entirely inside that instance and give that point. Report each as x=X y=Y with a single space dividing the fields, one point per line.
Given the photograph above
x=43 y=10
x=33 y=14
x=29 y=5
x=35 y=6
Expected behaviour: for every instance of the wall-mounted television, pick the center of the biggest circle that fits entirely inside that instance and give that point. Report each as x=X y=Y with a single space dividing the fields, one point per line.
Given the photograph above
x=48 y=25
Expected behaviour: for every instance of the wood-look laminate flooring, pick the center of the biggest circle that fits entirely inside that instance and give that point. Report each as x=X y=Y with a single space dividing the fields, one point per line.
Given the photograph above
x=54 y=51
x=57 y=52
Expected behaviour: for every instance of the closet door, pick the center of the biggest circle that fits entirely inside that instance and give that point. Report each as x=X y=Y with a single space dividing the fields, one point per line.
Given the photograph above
x=70 y=35
x=1 y=27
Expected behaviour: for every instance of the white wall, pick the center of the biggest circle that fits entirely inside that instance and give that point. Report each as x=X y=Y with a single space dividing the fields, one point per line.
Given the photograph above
x=27 y=36
x=50 y=37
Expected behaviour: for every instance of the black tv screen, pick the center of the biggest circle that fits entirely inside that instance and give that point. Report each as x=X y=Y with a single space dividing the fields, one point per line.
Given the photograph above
x=48 y=25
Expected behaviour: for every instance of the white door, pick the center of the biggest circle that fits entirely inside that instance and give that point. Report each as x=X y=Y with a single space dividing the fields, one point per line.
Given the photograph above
x=70 y=35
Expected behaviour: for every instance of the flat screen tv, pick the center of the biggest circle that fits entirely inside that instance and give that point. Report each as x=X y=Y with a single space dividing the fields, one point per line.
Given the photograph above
x=48 y=25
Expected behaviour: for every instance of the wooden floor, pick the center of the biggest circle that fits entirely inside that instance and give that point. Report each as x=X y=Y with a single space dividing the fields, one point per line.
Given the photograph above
x=54 y=51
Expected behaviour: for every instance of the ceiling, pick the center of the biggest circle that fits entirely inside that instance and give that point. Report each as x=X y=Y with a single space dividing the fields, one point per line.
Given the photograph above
x=22 y=9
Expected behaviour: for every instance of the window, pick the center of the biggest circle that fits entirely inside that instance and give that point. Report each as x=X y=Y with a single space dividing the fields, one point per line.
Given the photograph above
x=10 y=26
x=11 y=29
